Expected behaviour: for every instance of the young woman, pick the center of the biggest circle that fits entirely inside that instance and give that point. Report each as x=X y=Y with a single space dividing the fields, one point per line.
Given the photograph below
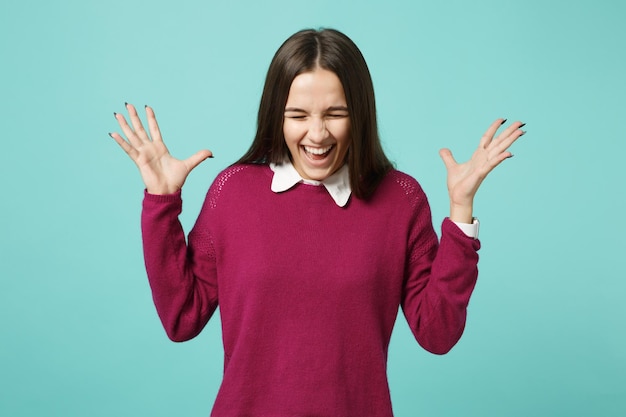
x=311 y=242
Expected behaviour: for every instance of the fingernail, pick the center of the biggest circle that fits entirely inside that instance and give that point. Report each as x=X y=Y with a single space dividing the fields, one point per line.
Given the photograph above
x=510 y=156
x=126 y=103
x=211 y=156
x=114 y=114
x=522 y=125
x=111 y=134
x=145 y=106
x=503 y=122
x=523 y=133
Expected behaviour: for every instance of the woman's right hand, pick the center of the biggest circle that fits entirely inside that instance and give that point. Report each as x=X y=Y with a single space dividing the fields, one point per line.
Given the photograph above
x=160 y=171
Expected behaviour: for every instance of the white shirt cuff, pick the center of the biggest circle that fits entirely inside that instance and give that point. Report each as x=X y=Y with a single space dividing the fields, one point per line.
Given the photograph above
x=470 y=230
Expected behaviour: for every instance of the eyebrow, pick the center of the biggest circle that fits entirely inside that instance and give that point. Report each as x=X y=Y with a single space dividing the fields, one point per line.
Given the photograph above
x=330 y=109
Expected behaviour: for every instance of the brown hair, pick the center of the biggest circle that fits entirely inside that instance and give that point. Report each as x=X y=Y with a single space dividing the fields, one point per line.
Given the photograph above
x=333 y=51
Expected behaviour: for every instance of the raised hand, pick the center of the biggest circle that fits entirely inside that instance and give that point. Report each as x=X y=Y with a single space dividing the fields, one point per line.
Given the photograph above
x=160 y=171
x=464 y=179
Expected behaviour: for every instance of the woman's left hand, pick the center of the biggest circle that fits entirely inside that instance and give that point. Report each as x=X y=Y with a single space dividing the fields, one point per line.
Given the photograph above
x=464 y=179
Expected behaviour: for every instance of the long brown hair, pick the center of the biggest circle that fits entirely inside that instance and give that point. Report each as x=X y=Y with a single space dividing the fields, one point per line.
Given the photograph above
x=333 y=51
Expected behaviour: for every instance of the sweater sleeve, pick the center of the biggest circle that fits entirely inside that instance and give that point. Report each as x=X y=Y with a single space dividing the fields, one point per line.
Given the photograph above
x=440 y=279
x=182 y=277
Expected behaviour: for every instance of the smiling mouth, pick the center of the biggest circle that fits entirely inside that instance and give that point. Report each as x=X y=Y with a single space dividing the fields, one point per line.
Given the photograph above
x=317 y=153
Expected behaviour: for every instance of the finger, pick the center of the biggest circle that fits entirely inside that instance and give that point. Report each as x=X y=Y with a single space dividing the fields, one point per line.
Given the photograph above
x=510 y=130
x=490 y=133
x=128 y=131
x=448 y=159
x=136 y=122
x=195 y=160
x=153 y=126
x=127 y=147
x=498 y=159
x=503 y=144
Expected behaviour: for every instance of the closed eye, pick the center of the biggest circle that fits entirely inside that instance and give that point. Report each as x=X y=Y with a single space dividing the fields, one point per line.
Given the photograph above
x=295 y=113
x=337 y=112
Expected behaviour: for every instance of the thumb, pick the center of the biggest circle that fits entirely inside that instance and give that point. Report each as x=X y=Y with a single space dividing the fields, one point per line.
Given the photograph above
x=195 y=160
x=446 y=156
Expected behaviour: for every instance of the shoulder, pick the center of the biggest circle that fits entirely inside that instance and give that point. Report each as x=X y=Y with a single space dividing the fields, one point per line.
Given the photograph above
x=399 y=185
x=411 y=197
x=241 y=174
x=238 y=180
x=238 y=172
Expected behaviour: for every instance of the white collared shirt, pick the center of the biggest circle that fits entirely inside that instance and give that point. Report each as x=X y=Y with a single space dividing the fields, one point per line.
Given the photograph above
x=338 y=186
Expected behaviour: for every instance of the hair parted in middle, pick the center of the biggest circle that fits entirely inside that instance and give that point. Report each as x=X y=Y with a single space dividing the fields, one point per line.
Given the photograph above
x=331 y=50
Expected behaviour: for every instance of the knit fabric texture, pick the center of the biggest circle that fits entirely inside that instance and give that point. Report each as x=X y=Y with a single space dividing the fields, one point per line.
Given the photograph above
x=308 y=291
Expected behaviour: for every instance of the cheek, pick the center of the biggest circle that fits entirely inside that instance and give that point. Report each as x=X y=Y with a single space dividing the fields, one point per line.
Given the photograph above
x=343 y=135
x=292 y=133
x=287 y=135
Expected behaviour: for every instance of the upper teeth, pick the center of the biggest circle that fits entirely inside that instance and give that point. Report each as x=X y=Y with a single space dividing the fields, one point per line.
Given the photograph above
x=317 y=151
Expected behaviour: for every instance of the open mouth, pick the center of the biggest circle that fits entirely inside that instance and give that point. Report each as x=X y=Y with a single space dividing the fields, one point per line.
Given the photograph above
x=317 y=154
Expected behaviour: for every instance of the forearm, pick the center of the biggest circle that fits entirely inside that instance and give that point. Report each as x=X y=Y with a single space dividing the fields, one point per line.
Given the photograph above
x=439 y=289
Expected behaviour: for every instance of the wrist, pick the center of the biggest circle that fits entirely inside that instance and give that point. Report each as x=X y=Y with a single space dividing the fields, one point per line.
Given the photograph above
x=161 y=189
x=461 y=213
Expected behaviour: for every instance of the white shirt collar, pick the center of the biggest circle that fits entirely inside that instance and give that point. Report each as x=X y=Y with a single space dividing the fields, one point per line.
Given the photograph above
x=337 y=185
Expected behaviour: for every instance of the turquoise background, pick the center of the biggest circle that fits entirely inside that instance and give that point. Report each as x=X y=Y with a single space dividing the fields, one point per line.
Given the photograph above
x=546 y=336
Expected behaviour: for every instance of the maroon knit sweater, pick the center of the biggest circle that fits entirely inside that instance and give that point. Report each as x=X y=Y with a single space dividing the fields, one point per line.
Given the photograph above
x=308 y=291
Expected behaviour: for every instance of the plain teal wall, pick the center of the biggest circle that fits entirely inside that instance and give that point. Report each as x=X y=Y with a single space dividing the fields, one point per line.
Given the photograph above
x=546 y=334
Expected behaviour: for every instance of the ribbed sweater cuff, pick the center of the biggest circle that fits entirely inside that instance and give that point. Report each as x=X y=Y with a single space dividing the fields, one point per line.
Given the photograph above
x=162 y=198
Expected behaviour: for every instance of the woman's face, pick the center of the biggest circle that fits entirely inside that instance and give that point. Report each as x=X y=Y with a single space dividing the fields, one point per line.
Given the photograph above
x=317 y=124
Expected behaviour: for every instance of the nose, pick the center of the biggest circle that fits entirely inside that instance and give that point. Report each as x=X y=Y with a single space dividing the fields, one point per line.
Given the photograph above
x=317 y=130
